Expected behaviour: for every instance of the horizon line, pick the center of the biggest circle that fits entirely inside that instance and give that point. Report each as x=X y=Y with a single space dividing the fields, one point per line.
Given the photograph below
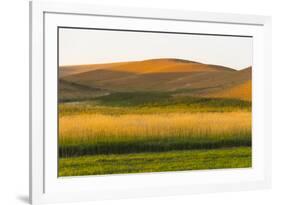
x=150 y=59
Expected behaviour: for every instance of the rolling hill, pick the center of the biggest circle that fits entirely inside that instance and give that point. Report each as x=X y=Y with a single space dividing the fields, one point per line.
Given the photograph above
x=180 y=77
x=242 y=91
x=69 y=91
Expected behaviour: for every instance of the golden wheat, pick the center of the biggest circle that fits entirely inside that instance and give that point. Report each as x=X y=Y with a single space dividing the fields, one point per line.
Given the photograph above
x=161 y=125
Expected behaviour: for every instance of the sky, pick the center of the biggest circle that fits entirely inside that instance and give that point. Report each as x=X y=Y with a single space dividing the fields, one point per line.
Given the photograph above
x=88 y=46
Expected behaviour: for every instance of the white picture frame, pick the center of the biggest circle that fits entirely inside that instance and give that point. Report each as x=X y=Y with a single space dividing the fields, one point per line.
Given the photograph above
x=46 y=187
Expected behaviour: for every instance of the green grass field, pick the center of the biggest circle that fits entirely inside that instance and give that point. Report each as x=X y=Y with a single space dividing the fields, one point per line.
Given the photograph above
x=151 y=102
x=156 y=162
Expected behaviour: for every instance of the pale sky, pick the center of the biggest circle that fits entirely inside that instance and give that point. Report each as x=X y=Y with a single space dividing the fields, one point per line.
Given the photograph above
x=87 y=46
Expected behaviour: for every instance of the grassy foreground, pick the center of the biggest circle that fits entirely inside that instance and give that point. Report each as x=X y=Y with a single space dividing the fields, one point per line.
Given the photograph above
x=153 y=132
x=239 y=157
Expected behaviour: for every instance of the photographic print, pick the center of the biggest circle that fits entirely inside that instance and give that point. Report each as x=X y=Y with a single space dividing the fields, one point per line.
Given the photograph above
x=144 y=101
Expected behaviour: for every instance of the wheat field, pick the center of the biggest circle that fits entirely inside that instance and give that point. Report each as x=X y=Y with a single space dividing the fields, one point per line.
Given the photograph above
x=132 y=133
x=99 y=126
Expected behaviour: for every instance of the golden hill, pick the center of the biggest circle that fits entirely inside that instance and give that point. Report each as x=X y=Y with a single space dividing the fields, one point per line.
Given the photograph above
x=242 y=91
x=174 y=75
x=145 y=66
x=163 y=66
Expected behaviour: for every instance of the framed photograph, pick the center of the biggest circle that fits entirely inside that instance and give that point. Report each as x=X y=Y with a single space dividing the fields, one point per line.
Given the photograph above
x=129 y=102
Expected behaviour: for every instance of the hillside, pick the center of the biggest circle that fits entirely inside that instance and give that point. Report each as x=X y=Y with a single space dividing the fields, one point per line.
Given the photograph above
x=69 y=91
x=242 y=91
x=181 y=77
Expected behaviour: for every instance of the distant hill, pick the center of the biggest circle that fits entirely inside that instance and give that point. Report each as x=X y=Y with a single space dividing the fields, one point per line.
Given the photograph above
x=69 y=91
x=239 y=86
x=182 y=77
x=146 y=66
x=242 y=91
